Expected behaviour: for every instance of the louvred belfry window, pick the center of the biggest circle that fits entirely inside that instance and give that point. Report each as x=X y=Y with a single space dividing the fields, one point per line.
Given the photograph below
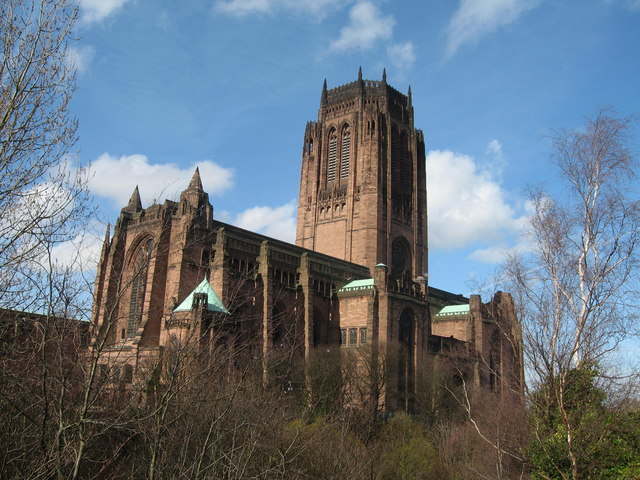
x=405 y=165
x=333 y=153
x=345 y=154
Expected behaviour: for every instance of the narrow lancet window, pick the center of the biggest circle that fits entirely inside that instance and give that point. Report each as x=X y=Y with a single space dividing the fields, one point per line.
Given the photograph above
x=333 y=151
x=345 y=154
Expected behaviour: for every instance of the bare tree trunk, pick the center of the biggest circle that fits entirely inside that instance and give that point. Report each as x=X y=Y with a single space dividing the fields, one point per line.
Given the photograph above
x=573 y=287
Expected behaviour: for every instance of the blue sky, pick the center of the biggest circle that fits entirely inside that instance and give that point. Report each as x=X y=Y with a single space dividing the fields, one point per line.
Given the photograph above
x=228 y=85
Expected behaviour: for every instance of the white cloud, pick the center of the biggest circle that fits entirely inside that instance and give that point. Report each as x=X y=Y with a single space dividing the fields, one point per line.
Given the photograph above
x=93 y=11
x=476 y=18
x=467 y=206
x=115 y=178
x=41 y=209
x=80 y=58
x=630 y=4
x=401 y=55
x=241 y=8
x=493 y=254
x=367 y=25
x=278 y=222
x=81 y=253
x=495 y=148
x=42 y=219
x=321 y=8
x=496 y=157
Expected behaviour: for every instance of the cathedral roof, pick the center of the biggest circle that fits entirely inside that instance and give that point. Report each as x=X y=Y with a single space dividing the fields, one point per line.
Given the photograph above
x=214 y=304
x=451 y=310
x=363 y=284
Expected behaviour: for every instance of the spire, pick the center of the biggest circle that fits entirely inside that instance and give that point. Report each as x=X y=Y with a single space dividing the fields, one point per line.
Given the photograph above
x=360 y=74
x=107 y=234
x=409 y=96
x=196 y=182
x=134 y=205
x=105 y=245
x=384 y=76
x=323 y=98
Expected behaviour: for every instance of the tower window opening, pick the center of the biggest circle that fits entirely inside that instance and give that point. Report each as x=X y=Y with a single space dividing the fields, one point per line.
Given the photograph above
x=345 y=154
x=138 y=285
x=333 y=151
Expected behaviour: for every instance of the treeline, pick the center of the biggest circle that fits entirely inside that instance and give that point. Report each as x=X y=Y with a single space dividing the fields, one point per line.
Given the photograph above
x=210 y=416
x=194 y=415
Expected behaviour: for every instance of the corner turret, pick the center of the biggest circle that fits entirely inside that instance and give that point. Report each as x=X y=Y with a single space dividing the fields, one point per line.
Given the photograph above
x=194 y=201
x=323 y=97
x=134 y=205
x=195 y=184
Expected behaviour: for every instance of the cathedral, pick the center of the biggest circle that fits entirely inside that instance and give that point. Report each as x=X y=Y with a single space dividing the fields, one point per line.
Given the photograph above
x=356 y=279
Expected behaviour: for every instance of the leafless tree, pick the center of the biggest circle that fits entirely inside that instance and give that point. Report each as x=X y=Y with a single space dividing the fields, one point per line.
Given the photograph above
x=41 y=193
x=575 y=284
x=488 y=441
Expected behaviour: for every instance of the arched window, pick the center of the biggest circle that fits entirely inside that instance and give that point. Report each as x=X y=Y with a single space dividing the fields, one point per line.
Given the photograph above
x=345 y=154
x=402 y=169
x=138 y=285
x=320 y=328
x=278 y=326
x=406 y=176
x=395 y=159
x=401 y=259
x=333 y=154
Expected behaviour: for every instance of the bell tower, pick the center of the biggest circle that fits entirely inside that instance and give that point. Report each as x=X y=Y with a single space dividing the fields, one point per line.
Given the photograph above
x=363 y=191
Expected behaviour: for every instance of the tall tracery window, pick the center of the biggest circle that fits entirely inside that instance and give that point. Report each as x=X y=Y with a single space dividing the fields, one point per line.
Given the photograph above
x=401 y=258
x=345 y=153
x=138 y=284
x=333 y=153
x=406 y=174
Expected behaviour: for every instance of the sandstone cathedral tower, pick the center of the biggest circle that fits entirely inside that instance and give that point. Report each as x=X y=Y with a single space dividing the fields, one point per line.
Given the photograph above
x=172 y=276
x=363 y=195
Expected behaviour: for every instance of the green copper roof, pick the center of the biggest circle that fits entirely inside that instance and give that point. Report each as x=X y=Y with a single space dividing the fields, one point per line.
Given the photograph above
x=214 y=304
x=451 y=310
x=357 y=285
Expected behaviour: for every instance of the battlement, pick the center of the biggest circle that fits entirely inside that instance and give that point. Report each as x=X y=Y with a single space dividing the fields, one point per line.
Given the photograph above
x=365 y=88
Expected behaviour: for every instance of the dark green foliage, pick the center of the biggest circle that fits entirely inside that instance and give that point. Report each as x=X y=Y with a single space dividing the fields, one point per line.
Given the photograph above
x=571 y=416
